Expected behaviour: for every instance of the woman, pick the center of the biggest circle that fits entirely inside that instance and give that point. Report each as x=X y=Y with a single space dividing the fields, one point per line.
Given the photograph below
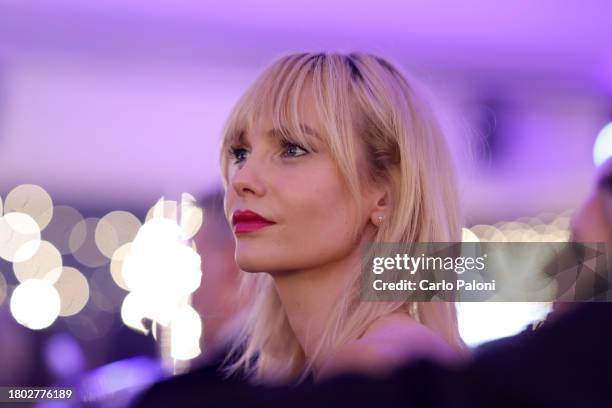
x=324 y=153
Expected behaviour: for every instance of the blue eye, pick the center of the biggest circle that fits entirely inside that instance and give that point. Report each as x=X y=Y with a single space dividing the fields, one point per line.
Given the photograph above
x=238 y=153
x=293 y=150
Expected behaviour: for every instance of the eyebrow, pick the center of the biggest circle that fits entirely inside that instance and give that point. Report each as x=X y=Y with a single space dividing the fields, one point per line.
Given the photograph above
x=280 y=132
x=305 y=128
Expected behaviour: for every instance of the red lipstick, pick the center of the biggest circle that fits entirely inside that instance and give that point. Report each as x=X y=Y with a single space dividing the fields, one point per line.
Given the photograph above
x=248 y=221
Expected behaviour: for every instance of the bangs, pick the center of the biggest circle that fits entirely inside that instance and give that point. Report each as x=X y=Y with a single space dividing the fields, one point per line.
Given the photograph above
x=277 y=96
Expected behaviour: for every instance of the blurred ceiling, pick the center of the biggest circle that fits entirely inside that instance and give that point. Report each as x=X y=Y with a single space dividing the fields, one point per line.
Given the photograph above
x=132 y=86
x=568 y=40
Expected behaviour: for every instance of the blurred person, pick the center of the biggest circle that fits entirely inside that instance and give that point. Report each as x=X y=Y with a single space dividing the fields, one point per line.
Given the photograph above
x=218 y=300
x=324 y=153
x=591 y=223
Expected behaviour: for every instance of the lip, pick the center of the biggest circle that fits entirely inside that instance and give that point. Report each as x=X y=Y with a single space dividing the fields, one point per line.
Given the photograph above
x=249 y=221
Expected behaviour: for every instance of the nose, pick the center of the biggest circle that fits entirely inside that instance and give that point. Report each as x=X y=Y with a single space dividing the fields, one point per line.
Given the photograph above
x=247 y=178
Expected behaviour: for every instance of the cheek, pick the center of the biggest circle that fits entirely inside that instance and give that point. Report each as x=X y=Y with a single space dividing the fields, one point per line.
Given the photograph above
x=316 y=220
x=323 y=222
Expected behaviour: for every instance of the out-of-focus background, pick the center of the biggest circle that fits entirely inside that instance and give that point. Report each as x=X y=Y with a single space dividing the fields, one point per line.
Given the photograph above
x=110 y=105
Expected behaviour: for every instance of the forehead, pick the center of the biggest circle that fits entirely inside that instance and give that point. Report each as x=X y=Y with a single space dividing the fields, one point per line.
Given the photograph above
x=289 y=117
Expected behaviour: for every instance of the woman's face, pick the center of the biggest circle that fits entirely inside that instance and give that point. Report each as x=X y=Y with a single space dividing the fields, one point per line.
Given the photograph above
x=300 y=191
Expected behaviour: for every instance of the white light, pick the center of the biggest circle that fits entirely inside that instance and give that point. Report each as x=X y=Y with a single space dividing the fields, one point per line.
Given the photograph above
x=46 y=263
x=160 y=270
x=114 y=230
x=603 y=145
x=73 y=289
x=468 y=236
x=116 y=265
x=191 y=216
x=16 y=230
x=32 y=200
x=186 y=329
x=35 y=304
x=480 y=322
x=133 y=310
x=159 y=262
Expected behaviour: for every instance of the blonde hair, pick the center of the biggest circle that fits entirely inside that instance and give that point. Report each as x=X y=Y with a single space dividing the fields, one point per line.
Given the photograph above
x=361 y=100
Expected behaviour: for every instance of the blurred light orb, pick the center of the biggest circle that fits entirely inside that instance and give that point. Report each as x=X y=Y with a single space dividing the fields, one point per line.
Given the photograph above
x=32 y=200
x=65 y=218
x=64 y=356
x=35 y=304
x=468 y=236
x=133 y=310
x=73 y=290
x=46 y=263
x=160 y=263
x=185 y=332
x=602 y=150
x=116 y=265
x=3 y=289
x=104 y=293
x=16 y=230
x=191 y=216
x=160 y=270
x=480 y=322
x=83 y=245
x=167 y=209
x=114 y=230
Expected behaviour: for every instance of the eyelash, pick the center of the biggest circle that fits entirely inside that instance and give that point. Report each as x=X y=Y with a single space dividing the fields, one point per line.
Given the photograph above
x=234 y=151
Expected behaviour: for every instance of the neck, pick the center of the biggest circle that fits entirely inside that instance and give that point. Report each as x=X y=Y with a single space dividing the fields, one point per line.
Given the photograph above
x=309 y=295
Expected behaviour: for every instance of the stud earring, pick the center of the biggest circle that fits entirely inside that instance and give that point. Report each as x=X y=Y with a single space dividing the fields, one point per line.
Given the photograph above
x=380 y=219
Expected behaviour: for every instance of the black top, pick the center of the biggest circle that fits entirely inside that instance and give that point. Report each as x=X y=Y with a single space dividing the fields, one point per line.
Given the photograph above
x=567 y=362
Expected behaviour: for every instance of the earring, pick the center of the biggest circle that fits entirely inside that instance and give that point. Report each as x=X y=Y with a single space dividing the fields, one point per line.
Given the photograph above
x=380 y=219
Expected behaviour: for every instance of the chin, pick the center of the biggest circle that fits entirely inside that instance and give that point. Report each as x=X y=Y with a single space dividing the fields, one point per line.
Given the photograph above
x=250 y=263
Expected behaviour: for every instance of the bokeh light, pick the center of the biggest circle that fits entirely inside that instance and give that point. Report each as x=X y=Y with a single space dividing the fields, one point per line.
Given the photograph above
x=35 y=304
x=83 y=245
x=161 y=272
x=159 y=263
x=468 y=236
x=3 y=288
x=191 y=216
x=114 y=230
x=16 y=230
x=32 y=200
x=602 y=150
x=104 y=293
x=546 y=227
x=133 y=311
x=65 y=218
x=481 y=322
x=64 y=356
x=73 y=290
x=186 y=329
x=116 y=265
x=46 y=264
x=163 y=209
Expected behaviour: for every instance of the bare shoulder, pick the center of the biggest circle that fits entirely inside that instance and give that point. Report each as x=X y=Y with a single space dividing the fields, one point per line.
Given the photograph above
x=386 y=345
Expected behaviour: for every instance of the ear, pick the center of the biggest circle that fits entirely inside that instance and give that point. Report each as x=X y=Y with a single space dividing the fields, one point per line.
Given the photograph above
x=381 y=205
